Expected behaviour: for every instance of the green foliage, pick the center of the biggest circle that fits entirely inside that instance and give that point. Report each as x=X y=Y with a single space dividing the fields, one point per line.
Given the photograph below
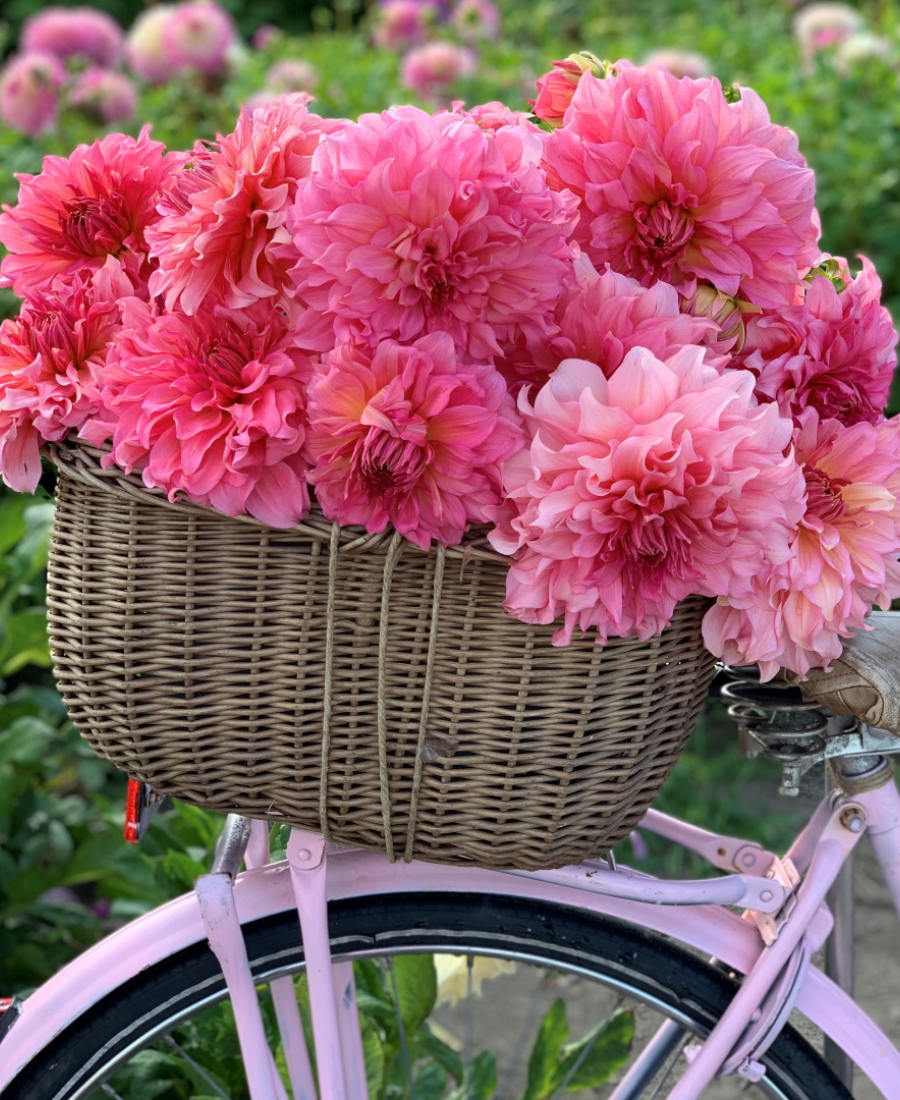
x=556 y=1065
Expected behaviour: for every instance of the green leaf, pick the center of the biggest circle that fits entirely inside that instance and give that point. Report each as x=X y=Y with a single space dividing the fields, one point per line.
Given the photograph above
x=599 y=1054
x=544 y=1062
x=25 y=740
x=373 y=1054
x=12 y=519
x=25 y=641
x=416 y=981
x=428 y=1045
x=431 y=1082
x=480 y=1081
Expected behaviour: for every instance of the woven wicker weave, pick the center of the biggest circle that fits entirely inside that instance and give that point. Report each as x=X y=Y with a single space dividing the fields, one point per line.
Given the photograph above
x=353 y=684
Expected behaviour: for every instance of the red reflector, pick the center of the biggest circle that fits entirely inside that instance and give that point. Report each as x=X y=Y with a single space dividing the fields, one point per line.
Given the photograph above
x=133 y=803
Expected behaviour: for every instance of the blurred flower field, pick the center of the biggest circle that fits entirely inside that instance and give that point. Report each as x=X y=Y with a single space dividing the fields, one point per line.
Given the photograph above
x=830 y=71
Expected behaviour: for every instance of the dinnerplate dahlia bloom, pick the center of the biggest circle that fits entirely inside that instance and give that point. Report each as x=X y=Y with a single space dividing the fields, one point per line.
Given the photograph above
x=409 y=435
x=411 y=223
x=666 y=479
x=96 y=203
x=30 y=88
x=223 y=225
x=75 y=32
x=212 y=407
x=844 y=554
x=51 y=357
x=198 y=36
x=835 y=352
x=678 y=184
x=602 y=316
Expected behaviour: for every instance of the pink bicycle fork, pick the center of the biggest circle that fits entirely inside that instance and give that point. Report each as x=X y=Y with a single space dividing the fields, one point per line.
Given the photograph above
x=787 y=903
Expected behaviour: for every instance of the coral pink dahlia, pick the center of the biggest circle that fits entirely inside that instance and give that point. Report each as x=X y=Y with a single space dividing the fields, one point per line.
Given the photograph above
x=664 y=480
x=844 y=554
x=83 y=208
x=678 y=184
x=212 y=406
x=51 y=358
x=411 y=223
x=223 y=225
x=834 y=353
x=409 y=435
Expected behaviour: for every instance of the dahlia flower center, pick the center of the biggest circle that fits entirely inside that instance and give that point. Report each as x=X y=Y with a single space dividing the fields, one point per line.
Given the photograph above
x=389 y=465
x=663 y=230
x=95 y=226
x=823 y=494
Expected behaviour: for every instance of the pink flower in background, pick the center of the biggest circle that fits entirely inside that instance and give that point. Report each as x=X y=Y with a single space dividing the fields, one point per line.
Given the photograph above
x=198 y=36
x=74 y=32
x=210 y=406
x=476 y=19
x=145 y=49
x=493 y=115
x=664 y=480
x=291 y=75
x=98 y=202
x=678 y=184
x=409 y=435
x=825 y=24
x=411 y=224
x=29 y=92
x=834 y=353
x=556 y=88
x=843 y=556
x=264 y=36
x=51 y=357
x=402 y=23
x=222 y=227
x=106 y=94
x=601 y=317
x=679 y=63
x=433 y=67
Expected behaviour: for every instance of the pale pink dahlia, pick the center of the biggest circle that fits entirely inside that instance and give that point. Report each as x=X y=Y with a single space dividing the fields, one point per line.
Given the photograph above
x=291 y=75
x=198 y=36
x=493 y=115
x=75 y=32
x=678 y=184
x=843 y=560
x=225 y=218
x=638 y=490
x=51 y=358
x=96 y=203
x=30 y=91
x=411 y=436
x=602 y=316
x=476 y=19
x=834 y=353
x=212 y=407
x=433 y=67
x=402 y=23
x=680 y=63
x=411 y=223
x=105 y=94
x=146 y=50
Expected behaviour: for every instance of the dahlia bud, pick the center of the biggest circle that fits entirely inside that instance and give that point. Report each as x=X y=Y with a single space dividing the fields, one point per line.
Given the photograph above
x=556 y=88
x=727 y=312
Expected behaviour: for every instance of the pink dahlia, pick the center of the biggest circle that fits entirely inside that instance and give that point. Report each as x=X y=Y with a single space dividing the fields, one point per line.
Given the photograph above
x=409 y=435
x=402 y=23
x=105 y=94
x=476 y=19
x=198 y=35
x=844 y=554
x=493 y=115
x=291 y=75
x=835 y=352
x=411 y=223
x=146 y=49
x=212 y=407
x=679 y=63
x=75 y=32
x=29 y=92
x=433 y=67
x=678 y=184
x=664 y=480
x=729 y=317
x=601 y=317
x=51 y=357
x=224 y=221
x=96 y=203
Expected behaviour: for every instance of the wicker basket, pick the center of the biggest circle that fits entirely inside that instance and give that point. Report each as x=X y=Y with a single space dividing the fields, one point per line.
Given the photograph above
x=353 y=684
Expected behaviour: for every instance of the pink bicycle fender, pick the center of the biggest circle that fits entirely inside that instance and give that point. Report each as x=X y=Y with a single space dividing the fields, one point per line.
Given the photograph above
x=714 y=931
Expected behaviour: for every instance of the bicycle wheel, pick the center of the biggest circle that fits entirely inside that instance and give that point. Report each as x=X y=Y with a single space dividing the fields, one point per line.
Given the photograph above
x=594 y=965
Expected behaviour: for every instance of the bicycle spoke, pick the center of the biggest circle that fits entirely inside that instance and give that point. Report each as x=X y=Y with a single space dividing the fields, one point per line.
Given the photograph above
x=110 y=1091
x=404 y=1046
x=516 y=1060
x=581 y=1057
x=198 y=1069
x=468 y=1053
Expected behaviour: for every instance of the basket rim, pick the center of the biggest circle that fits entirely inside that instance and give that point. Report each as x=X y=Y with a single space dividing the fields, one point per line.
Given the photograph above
x=83 y=462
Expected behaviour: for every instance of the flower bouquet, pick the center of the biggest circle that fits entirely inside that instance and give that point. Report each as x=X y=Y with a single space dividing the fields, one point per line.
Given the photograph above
x=593 y=354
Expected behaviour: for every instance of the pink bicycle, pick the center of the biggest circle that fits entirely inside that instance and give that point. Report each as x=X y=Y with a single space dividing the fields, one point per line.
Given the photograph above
x=684 y=988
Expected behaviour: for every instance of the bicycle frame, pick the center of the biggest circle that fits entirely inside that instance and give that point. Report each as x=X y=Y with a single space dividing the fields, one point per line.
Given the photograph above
x=770 y=944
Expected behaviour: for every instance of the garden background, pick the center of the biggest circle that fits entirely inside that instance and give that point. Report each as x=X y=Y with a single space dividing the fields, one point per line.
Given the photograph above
x=66 y=877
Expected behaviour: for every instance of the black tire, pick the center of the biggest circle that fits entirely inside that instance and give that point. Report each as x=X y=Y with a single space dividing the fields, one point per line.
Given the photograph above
x=649 y=965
